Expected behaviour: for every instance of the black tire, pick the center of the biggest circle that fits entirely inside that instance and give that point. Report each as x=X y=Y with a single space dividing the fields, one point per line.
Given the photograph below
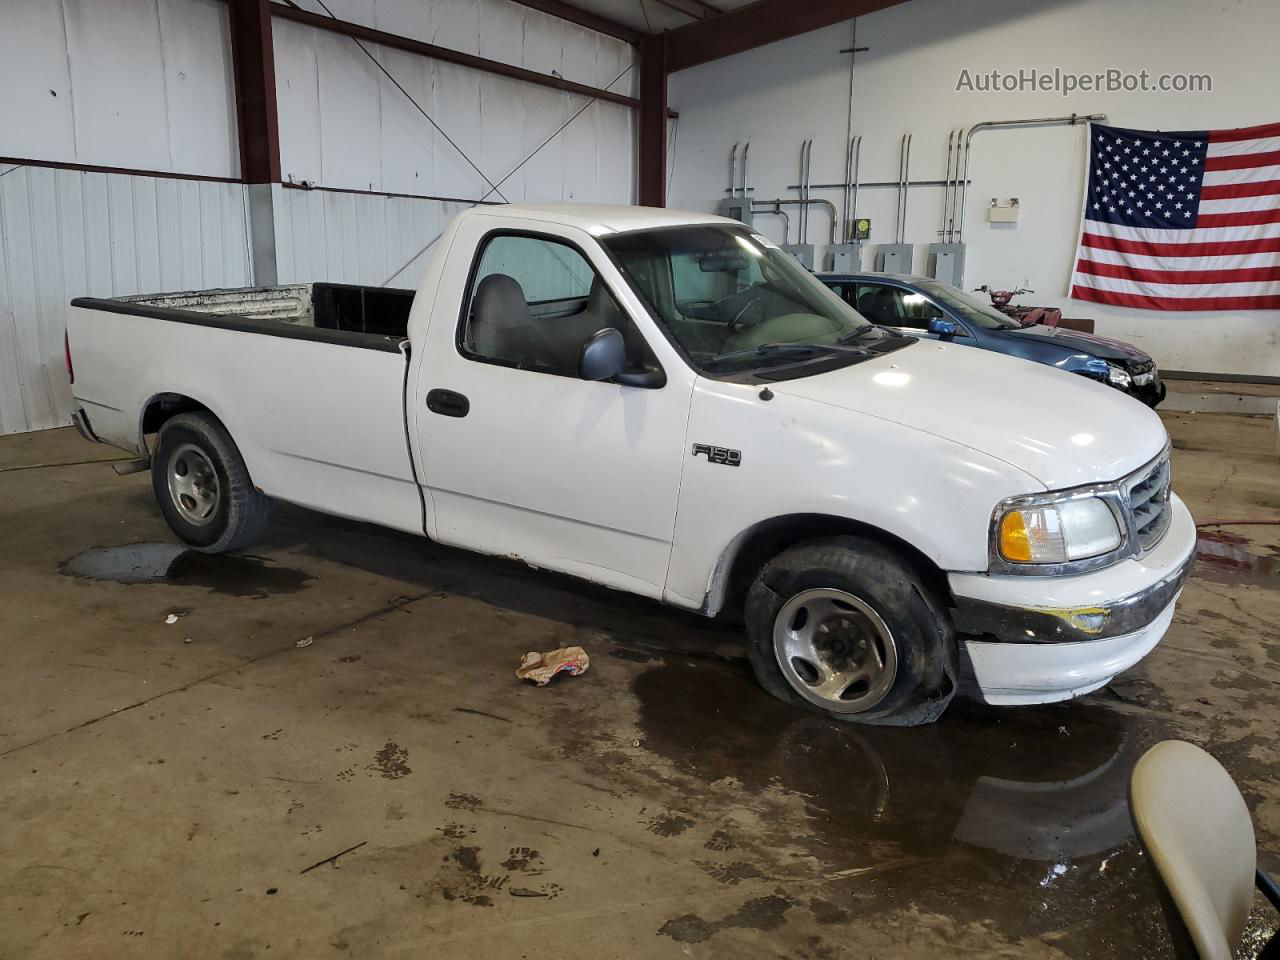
x=921 y=633
x=239 y=516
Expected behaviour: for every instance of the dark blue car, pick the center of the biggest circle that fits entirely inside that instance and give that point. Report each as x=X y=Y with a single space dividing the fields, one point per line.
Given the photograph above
x=921 y=307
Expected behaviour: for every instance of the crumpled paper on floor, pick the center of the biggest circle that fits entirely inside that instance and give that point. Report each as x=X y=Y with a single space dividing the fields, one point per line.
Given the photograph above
x=541 y=667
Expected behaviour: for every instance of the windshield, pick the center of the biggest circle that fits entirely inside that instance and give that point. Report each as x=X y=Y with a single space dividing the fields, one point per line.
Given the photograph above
x=978 y=312
x=734 y=300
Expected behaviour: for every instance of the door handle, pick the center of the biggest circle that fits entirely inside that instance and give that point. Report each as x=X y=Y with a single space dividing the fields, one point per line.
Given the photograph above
x=448 y=403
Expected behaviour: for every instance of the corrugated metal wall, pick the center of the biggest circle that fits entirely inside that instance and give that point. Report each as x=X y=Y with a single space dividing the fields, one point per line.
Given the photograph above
x=119 y=83
x=67 y=234
x=347 y=238
x=343 y=124
x=148 y=84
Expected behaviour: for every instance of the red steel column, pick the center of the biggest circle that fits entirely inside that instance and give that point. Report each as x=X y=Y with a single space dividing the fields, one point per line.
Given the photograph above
x=653 y=122
x=255 y=76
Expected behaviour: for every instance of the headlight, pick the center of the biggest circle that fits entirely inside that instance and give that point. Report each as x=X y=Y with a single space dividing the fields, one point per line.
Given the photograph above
x=1118 y=376
x=1071 y=529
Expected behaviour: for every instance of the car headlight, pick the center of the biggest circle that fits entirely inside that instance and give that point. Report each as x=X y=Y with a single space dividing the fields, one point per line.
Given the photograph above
x=1118 y=376
x=1059 y=532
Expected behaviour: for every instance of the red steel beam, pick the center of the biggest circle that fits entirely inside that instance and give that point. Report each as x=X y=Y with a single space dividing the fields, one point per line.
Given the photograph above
x=652 y=160
x=124 y=171
x=370 y=35
x=585 y=18
x=254 y=65
x=758 y=24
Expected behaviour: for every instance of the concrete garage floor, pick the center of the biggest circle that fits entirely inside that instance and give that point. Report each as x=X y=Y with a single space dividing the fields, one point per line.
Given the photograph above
x=160 y=798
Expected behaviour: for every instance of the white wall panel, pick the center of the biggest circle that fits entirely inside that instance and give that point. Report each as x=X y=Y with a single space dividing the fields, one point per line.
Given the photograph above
x=199 y=86
x=907 y=83
x=36 y=118
x=66 y=234
x=544 y=173
x=407 y=153
x=130 y=83
x=298 y=101
x=350 y=238
x=497 y=29
x=344 y=124
x=349 y=113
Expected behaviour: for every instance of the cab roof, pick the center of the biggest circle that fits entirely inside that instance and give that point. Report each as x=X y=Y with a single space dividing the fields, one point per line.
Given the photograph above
x=599 y=219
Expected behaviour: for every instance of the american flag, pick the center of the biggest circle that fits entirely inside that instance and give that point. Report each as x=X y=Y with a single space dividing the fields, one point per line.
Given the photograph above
x=1182 y=221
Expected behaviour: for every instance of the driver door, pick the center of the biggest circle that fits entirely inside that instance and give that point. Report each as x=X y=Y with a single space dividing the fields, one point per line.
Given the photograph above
x=520 y=456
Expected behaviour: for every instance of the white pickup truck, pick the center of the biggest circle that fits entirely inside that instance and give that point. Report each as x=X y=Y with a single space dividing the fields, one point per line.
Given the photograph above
x=668 y=404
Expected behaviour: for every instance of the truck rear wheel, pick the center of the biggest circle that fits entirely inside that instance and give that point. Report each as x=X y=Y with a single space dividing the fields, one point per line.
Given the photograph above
x=846 y=627
x=203 y=486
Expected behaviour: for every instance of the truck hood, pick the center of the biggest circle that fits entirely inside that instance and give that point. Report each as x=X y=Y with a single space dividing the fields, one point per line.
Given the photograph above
x=1104 y=348
x=1061 y=428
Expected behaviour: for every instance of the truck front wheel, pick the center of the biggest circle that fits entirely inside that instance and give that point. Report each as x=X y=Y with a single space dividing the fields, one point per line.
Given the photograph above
x=203 y=487
x=846 y=627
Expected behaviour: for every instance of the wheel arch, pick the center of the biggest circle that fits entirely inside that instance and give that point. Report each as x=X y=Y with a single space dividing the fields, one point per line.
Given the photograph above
x=755 y=546
x=164 y=406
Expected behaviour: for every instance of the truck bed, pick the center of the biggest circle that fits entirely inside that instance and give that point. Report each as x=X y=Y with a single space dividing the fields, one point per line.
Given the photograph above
x=301 y=310
x=308 y=379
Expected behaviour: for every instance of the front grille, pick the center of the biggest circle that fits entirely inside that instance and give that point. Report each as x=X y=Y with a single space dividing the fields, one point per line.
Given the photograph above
x=1148 y=498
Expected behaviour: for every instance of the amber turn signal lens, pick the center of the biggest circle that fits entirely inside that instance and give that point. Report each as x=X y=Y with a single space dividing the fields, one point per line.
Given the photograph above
x=1015 y=542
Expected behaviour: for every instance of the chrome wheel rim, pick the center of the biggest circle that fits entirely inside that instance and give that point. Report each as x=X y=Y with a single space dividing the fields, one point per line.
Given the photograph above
x=835 y=650
x=193 y=485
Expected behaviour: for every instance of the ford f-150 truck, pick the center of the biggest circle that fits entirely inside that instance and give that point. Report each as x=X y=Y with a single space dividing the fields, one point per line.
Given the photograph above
x=668 y=404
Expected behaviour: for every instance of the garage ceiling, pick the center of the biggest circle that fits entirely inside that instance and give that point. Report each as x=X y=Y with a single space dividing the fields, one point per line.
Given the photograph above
x=655 y=16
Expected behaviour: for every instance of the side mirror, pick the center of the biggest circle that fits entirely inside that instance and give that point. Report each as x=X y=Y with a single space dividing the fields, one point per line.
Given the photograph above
x=603 y=355
x=945 y=329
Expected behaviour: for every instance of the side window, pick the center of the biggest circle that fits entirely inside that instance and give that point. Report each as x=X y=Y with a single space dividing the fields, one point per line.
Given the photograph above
x=845 y=291
x=534 y=301
x=894 y=307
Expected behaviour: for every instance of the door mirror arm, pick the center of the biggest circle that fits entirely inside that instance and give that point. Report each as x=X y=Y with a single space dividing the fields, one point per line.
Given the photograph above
x=650 y=377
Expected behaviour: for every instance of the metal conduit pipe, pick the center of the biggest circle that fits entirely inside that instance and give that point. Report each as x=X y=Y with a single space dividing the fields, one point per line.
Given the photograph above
x=955 y=185
x=849 y=170
x=989 y=124
x=806 y=149
x=953 y=175
x=897 y=195
x=733 y=171
x=745 y=150
x=808 y=181
x=848 y=186
x=946 y=189
x=804 y=205
x=800 y=218
x=906 y=189
x=850 y=223
x=777 y=212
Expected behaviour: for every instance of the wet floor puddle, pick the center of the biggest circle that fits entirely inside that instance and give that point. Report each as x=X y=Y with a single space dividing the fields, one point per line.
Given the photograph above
x=174 y=564
x=1017 y=818
x=1228 y=558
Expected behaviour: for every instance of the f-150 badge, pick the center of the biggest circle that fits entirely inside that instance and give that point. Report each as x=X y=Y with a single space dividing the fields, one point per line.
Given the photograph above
x=722 y=455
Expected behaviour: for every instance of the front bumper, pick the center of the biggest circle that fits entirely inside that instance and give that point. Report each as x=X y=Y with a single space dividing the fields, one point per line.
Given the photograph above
x=1151 y=393
x=1039 y=639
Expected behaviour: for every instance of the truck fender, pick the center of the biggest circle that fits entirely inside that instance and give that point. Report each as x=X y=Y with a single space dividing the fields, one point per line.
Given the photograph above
x=748 y=551
x=163 y=405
